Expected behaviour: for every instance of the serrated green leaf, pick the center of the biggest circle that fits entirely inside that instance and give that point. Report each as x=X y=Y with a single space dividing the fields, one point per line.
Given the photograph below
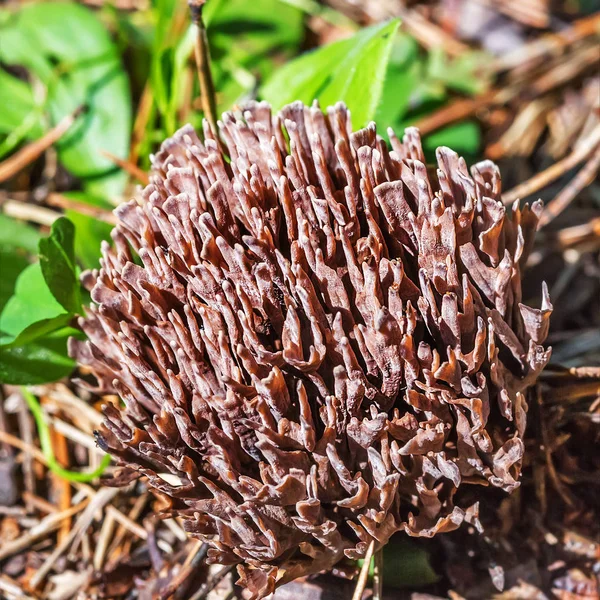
x=403 y=76
x=57 y=261
x=351 y=70
x=32 y=311
x=68 y=49
x=42 y=361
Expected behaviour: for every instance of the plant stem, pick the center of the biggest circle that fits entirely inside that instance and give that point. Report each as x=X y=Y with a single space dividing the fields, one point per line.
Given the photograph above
x=202 y=53
x=46 y=444
x=361 y=584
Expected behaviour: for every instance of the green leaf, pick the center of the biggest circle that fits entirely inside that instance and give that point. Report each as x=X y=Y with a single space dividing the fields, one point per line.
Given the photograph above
x=12 y=262
x=406 y=564
x=68 y=49
x=41 y=361
x=17 y=234
x=32 y=311
x=245 y=39
x=57 y=261
x=17 y=101
x=351 y=70
x=404 y=73
x=90 y=233
x=467 y=73
x=463 y=137
x=17 y=241
x=248 y=33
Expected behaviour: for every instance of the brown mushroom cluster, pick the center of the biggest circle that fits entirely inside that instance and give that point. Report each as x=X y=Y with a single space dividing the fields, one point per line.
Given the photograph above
x=317 y=340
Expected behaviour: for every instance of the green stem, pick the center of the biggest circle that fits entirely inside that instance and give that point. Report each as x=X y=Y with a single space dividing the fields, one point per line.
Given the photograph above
x=46 y=444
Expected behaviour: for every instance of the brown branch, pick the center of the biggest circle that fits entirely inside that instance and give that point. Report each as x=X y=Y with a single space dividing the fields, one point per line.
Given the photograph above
x=551 y=44
x=584 y=233
x=25 y=211
x=556 y=76
x=429 y=34
x=128 y=167
x=584 y=178
x=46 y=526
x=97 y=503
x=60 y=201
x=26 y=155
x=455 y=111
x=552 y=173
x=566 y=71
x=547 y=450
x=202 y=53
x=212 y=583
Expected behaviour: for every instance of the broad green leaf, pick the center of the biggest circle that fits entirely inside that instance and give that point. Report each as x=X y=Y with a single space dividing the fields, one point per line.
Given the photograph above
x=42 y=361
x=306 y=77
x=17 y=102
x=32 y=310
x=351 y=70
x=68 y=49
x=89 y=234
x=247 y=41
x=406 y=564
x=57 y=261
x=17 y=241
x=247 y=33
x=17 y=234
x=361 y=85
x=12 y=262
x=404 y=73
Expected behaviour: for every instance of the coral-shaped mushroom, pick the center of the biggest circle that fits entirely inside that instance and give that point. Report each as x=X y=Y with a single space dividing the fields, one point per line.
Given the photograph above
x=316 y=339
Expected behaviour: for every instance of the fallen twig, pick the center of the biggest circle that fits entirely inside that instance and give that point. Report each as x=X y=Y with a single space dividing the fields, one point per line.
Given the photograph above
x=46 y=526
x=128 y=167
x=12 y=589
x=552 y=173
x=212 y=583
x=571 y=190
x=522 y=57
x=30 y=212
x=65 y=203
x=100 y=499
x=19 y=160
